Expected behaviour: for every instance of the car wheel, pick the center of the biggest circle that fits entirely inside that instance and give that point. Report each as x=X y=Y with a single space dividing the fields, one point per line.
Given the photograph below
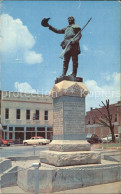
x=25 y=143
x=40 y=144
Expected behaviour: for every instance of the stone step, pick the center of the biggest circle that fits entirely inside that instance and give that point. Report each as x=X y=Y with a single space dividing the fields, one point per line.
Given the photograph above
x=4 y=165
x=70 y=158
x=69 y=145
x=53 y=179
x=9 y=177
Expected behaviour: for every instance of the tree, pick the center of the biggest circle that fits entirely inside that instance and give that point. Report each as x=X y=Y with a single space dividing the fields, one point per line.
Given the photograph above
x=105 y=118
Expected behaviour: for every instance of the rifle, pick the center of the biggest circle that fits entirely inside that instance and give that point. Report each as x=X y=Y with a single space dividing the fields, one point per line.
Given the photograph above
x=64 y=50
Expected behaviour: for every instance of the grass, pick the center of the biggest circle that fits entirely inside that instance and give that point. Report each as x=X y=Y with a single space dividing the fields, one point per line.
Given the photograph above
x=111 y=145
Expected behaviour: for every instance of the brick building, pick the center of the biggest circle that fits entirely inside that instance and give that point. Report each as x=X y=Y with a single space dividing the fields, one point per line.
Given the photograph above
x=91 y=120
x=23 y=115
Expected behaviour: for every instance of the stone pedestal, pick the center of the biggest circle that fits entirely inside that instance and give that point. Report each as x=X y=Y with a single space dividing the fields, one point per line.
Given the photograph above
x=68 y=147
x=69 y=110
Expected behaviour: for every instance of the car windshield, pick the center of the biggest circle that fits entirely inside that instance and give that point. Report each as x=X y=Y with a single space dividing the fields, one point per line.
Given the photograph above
x=89 y=135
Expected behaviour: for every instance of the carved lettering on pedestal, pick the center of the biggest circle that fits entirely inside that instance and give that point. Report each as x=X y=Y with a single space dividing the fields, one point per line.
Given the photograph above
x=58 y=118
x=74 y=117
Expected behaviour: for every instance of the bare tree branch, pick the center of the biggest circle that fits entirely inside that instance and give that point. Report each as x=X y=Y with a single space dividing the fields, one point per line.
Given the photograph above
x=106 y=119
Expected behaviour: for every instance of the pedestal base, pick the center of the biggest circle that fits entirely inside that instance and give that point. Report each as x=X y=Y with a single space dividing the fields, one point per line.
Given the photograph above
x=54 y=179
x=69 y=145
x=68 y=78
x=70 y=158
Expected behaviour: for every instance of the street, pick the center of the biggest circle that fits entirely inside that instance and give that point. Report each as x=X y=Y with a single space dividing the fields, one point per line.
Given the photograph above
x=21 y=150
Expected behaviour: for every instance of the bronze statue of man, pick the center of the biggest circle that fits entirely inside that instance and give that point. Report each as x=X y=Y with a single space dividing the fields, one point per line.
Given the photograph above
x=73 y=49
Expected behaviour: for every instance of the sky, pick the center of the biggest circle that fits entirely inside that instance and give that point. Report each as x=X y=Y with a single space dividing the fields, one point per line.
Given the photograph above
x=30 y=53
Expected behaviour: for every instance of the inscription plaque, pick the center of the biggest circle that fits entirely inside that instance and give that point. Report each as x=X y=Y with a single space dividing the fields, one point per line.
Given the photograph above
x=68 y=116
x=74 y=117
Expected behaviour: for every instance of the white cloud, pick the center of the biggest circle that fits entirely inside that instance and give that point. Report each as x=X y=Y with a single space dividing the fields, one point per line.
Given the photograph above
x=85 y=48
x=24 y=87
x=31 y=58
x=16 y=40
x=110 y=91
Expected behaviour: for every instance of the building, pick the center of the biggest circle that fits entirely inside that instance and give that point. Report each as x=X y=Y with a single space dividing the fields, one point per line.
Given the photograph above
x=24 y=115
x=101 y=131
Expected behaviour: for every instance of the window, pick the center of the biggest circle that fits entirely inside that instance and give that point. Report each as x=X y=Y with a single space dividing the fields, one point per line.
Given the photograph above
x=6 y=113
x=89 y=121
x=36 y=115
x=94 y=120
x=30 y=129
x=4 y=127
x=46 y=115
x=27 y=114
x=10 y=128
x=115 y=117
x=18 y=112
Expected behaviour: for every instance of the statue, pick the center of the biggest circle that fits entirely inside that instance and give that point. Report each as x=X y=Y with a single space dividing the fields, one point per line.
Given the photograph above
x=70 y=44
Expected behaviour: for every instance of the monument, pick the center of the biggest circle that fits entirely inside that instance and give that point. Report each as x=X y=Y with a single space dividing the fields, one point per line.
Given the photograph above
x=69 y=146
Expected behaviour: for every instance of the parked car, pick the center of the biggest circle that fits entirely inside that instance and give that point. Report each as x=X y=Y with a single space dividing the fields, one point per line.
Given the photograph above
x=36 y=140
x=109 y=138
x=93 y=138
x=10 y=141
x=5 y=142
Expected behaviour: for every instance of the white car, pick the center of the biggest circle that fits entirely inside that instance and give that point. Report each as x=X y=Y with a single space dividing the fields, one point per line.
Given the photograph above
x=36 y=140
x=109 y=138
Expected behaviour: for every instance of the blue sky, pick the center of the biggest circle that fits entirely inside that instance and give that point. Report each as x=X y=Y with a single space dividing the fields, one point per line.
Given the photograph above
x=30 y=53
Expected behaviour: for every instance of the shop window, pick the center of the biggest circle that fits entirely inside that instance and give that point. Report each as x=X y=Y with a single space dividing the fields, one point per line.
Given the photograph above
x=19 y=129
x=46 y=115
x=49 y=129
x=30 y=129
x=27 y=114
x=40 y=128
x=4 y=127
x=6 y=113
x=10 y=128
x=18 y=114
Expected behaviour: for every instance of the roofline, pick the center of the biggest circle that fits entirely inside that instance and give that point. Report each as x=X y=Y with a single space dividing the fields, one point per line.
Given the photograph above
x=25 y=93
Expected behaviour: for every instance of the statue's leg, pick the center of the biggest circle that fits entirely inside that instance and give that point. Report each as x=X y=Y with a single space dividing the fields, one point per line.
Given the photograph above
x=75 y=65
x=66 y=63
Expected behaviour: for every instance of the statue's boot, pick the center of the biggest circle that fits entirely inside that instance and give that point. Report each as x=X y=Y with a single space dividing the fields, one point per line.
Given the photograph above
x=64 y=70
x=74 y=73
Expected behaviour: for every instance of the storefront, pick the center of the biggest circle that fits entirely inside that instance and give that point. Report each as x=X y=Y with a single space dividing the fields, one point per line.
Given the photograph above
x=20 y=133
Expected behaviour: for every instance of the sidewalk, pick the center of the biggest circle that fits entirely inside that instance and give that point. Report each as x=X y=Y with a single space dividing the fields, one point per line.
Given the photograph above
x=109 y=188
